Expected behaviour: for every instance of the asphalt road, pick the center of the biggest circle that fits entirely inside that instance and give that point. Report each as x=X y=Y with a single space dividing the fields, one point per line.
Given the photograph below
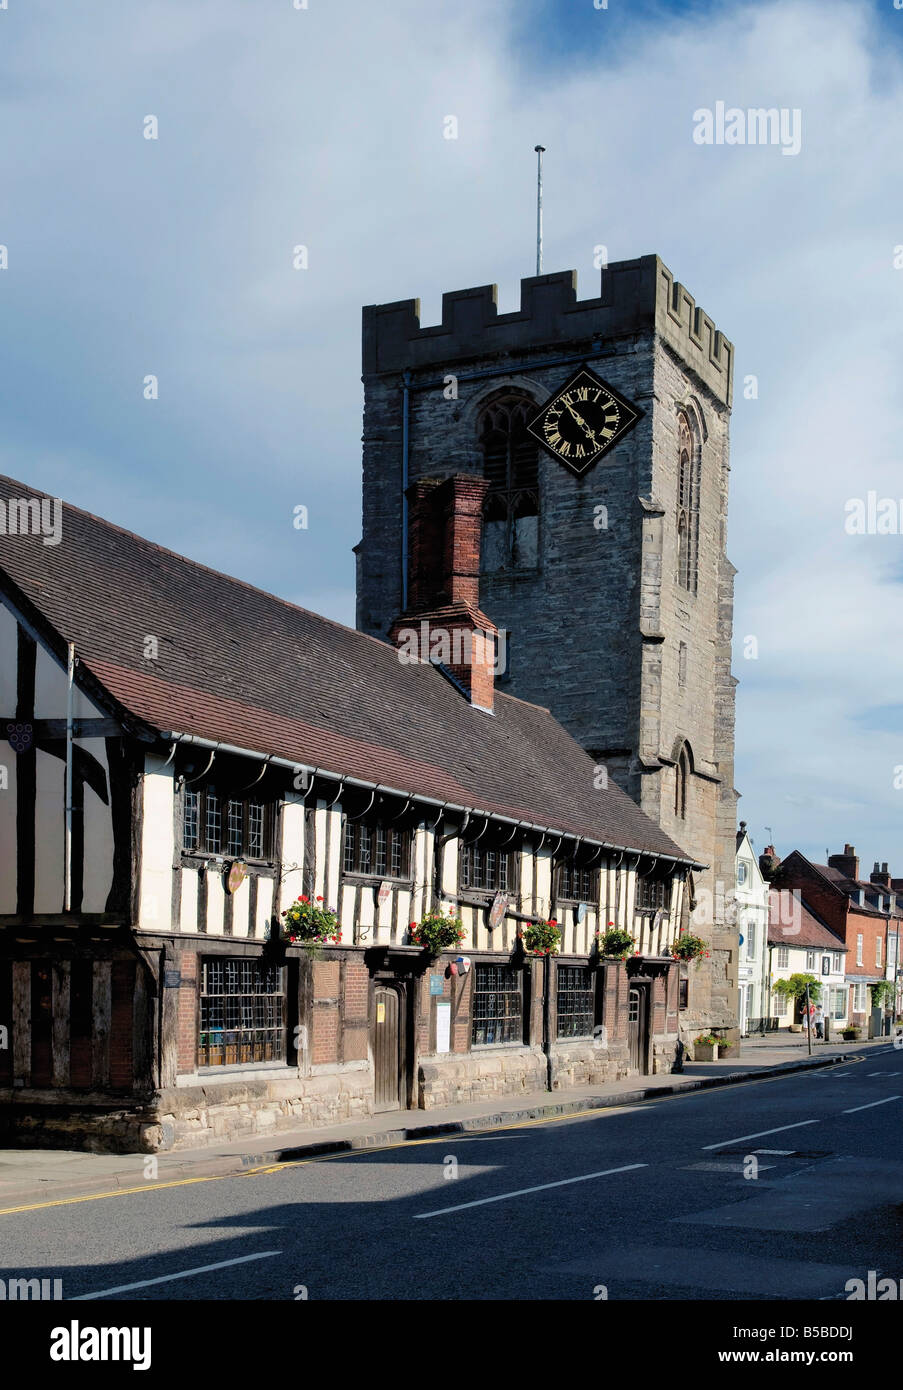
x=780 y=1189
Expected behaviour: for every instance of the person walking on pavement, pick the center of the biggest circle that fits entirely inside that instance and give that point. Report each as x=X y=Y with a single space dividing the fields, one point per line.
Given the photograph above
x=819 y=1021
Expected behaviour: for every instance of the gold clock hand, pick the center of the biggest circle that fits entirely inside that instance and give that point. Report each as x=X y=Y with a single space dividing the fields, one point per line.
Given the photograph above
x=590 y=434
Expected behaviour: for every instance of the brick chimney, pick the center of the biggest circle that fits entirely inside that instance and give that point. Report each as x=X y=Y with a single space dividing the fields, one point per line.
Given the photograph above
x=847 y=863
x=443 y=622
x=769 y=863
x=880 y=876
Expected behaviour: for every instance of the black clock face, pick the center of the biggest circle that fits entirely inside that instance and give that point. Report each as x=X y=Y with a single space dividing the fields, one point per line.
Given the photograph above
x=583 y=420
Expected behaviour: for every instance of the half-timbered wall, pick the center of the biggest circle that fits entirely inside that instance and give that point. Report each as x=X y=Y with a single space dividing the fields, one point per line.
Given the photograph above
x=33 y=692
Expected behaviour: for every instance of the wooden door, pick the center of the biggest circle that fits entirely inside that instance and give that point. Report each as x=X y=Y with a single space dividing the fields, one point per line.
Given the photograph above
x=387 y=1058
x=636 y=1028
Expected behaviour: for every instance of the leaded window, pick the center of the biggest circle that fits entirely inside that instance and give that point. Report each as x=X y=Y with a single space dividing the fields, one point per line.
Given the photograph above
x=652 y=893
x=576 y=1001
x=376 y=849
x=484 y=869
x=235 y=827
x=497 y=1005
x=511 y=468
x=576 y=883
x=242 y=1012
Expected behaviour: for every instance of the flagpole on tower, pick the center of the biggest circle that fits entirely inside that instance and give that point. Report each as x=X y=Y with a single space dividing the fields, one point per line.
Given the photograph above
x=540 y=151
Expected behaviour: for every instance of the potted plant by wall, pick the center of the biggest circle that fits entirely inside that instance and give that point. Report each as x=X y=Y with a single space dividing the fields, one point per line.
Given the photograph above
x=705 y=1047
x=306 y=923
x=615 y=943
x=437 y=932
x=542 y=938
x=850 y=1034
x=688 y=947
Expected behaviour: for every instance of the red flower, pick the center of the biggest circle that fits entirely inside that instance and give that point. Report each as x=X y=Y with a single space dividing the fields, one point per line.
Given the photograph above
x=319 y=900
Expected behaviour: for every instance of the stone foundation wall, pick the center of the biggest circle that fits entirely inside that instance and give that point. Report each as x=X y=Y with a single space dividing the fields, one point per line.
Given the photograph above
x=583 y=1064
x=456 y=1078
x=667 y=1054
x=195 y=1116
x=73 y=1122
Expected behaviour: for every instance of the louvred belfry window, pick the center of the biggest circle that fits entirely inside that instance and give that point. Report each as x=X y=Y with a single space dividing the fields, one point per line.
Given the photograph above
x=511 y=468
x=687 y=507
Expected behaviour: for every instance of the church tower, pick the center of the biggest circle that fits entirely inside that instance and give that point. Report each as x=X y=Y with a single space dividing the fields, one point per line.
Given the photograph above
x=601 y=429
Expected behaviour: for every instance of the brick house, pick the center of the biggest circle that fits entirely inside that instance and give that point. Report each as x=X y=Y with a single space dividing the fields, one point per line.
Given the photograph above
x=185 y=756
x=863 y=913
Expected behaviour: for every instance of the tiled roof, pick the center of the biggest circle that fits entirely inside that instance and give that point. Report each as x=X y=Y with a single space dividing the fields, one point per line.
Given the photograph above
x=243 y=667
x=792 y=923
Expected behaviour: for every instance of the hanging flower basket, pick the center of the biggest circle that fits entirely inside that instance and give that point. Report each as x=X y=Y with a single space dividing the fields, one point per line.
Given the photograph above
x=542 y=938
x=307 y=924
x=616 y=943
x=437 y=932
x=688 y=947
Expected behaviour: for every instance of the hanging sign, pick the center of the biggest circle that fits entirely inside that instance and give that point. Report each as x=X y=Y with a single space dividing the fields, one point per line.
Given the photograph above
x=498 y=909
x=385 y=892
x=237 y=875
x=581 y=911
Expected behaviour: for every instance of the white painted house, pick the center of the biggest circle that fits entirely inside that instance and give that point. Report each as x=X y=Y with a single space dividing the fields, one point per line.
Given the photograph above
x=751 y=898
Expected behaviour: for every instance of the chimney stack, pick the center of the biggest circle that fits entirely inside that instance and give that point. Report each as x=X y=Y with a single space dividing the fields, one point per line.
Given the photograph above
x=769 y=863
x=846 y=863
x=880 y=876
x=443 y=622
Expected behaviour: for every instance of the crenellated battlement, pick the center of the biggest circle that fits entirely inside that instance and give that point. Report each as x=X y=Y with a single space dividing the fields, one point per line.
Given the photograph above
x=637 y=296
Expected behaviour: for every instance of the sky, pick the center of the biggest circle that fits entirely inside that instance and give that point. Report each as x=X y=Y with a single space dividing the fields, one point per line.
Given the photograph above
x=323 y=127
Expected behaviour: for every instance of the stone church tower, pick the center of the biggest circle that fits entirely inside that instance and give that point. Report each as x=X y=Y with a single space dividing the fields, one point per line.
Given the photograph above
x=611 y=580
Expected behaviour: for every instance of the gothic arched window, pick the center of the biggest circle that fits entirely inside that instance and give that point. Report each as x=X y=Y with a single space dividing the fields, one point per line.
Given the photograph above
x=681 y=783
x=687 y=506
x=511 y=467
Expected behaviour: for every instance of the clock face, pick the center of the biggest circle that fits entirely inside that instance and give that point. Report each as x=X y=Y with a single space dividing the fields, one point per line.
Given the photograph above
x=582 y=421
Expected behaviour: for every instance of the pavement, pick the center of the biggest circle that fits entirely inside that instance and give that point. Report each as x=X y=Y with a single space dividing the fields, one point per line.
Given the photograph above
x=45 y=1175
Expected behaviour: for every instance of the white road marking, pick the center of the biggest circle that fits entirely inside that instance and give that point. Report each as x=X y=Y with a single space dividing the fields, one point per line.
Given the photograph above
x=184 y=1274
x=873 y=1103
x=876 y=1073
x=524 y=1191
x=758 y=1134
x=783 y=1152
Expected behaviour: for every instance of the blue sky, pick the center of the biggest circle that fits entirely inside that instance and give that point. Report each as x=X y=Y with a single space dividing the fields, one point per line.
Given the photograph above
x=278 y=127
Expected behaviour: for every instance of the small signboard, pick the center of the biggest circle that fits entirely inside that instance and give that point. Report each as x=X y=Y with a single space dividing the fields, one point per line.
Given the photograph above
x=498 y=909
x=172 y=979
x=581 y=911
x=443 y=1025
x=380 y=1012
x=437 y=984
x=385 y=892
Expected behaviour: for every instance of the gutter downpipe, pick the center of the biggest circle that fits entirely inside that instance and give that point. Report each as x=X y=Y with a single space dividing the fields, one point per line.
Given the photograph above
x=67 y=847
